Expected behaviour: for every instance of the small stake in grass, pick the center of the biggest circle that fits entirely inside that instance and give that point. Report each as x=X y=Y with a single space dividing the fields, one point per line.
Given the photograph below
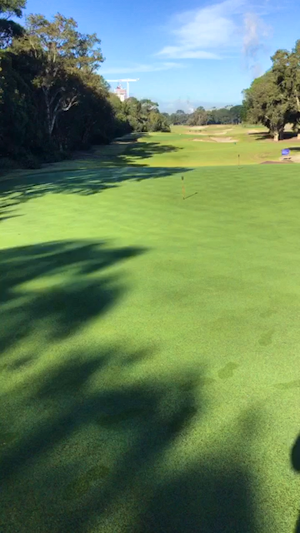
x=239 y=159
x=183 y=188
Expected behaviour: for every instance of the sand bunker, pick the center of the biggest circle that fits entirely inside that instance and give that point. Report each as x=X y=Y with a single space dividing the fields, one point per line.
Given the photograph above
x=224 y=140
x=254 y=131
x=197 y=128
x=201 y=130
x=224 y=132
x=294 y=158
x=217 y=140
x=195 y=133
x=276 y=162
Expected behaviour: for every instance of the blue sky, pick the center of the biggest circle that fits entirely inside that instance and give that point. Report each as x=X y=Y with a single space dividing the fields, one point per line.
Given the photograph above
x=184 y=53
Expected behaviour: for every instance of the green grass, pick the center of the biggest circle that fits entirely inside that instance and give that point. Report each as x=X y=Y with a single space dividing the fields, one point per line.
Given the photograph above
x=149 y=376
x=182 y=150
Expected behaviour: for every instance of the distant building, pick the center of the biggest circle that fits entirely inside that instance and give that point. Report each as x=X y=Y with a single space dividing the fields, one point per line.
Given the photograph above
x=121 y=93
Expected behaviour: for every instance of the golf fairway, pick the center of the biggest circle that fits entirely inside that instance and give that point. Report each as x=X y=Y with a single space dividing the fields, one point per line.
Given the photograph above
x=149 y=370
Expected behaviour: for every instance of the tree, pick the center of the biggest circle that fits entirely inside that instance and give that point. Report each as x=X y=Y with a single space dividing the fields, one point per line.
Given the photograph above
x=198 y=117
x=8 y=28
x=12 y=7
x=238 y=113
x=143 y=115
x=167 y=118
x=66 y=58
x=267 y=102
x=121 y=124
x=49 y=70
x=274 y=99
x=179 y=118
x=148 y=105
x=19 y=106
x=134 y=114
x=157 y=122
x=286 y=69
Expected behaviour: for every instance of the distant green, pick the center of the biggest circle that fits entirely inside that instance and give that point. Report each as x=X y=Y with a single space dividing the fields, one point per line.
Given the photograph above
x=188 y=148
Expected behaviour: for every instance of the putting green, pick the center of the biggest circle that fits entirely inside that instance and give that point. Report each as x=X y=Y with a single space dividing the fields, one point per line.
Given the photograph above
x=149 y=370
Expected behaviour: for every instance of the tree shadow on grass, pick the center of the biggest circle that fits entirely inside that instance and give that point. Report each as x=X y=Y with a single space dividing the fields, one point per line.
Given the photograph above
x=7 y=217
x=84 y=182
x=207 y=499
x=126 y=148
x=261 y=136
x=93 y=173
x=264 y=135
x=88 y=441
x=295 y=459
x=97 y=459
x=78 y=292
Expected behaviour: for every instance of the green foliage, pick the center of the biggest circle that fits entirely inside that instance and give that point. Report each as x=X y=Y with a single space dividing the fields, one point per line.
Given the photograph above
x=8 y=28
x=20 y=124
x=144 y=116
x=238 y=114
x=274 y=99
x=66 y=60
x=179 y=118
x=12 y=7
x=267 y=103
x=157 y=122
x=52 y=98
x=226 y=115
x=148 y=105
x=286 y=71
x=200 y=117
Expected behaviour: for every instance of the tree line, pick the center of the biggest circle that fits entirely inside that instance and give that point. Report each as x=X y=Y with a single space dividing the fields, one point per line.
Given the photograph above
x=202 y=117
x=52 y=98
x=274 y=98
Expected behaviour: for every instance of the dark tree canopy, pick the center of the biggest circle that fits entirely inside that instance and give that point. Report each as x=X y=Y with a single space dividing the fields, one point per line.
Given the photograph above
x=229 y=115
x=12 y=7
x=8 y=28
x=52 y=97
x=274 y=99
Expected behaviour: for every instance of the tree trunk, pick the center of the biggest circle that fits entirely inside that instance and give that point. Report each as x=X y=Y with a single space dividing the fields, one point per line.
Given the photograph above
x=48 y=111
x=51 y=112
x=278 y=135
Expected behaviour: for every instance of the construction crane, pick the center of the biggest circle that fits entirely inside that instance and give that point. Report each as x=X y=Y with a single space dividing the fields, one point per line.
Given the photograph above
x=125 y=81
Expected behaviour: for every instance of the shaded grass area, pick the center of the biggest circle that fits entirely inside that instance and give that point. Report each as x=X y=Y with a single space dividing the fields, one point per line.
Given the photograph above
x=90 y=173
x=295 y=459
x=80 y=443
x=149 y=349
x=83 y=182
x=65 y=306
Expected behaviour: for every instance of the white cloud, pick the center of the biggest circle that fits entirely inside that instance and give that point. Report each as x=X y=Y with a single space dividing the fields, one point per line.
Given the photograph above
x=218 y=29
x=154 y=67
x=182 y=53
x=256 y=31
